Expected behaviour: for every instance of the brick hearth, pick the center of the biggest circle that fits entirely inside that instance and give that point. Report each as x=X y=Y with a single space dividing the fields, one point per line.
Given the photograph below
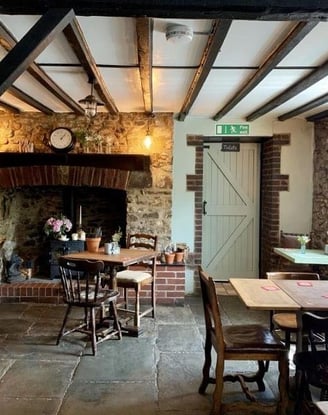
x=170 y=288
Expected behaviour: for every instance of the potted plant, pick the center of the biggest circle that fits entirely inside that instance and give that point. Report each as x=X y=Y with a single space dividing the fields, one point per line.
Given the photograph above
x=93 y=239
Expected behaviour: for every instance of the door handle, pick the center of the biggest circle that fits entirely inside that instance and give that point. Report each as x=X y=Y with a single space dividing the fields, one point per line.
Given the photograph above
x=204 y=207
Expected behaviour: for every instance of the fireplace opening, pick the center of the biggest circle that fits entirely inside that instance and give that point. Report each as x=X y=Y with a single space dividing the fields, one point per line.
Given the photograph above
x=27 y=209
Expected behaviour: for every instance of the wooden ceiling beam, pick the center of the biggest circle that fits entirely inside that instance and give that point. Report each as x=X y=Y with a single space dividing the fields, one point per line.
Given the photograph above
x=298 y=33
x=295 y=89
x=9 y=107
x=17 y=93
x=144 y=27
x=31 y=45
x=8 y=41
x=76 y=39
x=319 y=116
x=306 y=107
x=301 y=10
x=219 y=32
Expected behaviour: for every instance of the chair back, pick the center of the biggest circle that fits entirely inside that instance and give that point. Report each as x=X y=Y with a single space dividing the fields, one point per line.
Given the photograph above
x=213 y=323
x=292 y=275
x=289 y=240
x=316 y=327
x=141 y=241
x=81 y=281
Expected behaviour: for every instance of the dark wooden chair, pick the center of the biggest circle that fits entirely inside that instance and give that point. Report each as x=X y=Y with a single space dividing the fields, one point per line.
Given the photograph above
x=250 y=342
x=312 y=365
x=287 y=322
x=81 y=281
x=141 y=275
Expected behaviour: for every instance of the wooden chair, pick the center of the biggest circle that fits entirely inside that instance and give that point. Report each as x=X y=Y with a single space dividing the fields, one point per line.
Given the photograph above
x=81 y=281
x=287 y=322
x=312 y=365
x=250 y=342
x=136 y=279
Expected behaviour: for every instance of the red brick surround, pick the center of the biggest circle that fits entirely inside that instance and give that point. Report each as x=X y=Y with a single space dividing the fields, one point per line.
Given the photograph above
x=170 y=288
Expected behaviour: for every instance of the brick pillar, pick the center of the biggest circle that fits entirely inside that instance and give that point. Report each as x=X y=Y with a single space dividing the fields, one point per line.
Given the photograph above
x=272 y=183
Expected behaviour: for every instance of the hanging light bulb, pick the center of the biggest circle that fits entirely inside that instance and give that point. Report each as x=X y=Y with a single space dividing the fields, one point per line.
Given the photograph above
x=148 y=138
x=90 y=103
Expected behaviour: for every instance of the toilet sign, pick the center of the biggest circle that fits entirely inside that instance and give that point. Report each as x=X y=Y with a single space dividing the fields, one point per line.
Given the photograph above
x=232 y=129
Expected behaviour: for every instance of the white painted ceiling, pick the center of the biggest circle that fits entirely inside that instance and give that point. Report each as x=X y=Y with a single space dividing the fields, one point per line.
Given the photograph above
x=113 y=44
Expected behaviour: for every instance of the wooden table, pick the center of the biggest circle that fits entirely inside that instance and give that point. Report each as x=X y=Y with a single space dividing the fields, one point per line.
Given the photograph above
x=112 y=262
x=323 y=406
x=296 y=295
x=125 y=258
x=263 y=294
x=311 y=256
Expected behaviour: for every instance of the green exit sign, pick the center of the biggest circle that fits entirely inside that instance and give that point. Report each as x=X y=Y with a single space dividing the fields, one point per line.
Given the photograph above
x=232 y=129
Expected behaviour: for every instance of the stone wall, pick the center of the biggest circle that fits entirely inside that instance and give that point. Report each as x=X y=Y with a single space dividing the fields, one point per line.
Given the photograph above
x=320 y=188
x=148 y=209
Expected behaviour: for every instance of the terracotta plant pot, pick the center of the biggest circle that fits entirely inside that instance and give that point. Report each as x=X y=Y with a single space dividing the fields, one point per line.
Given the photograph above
x=93 y=244
x=179 y=256
x=169 y=258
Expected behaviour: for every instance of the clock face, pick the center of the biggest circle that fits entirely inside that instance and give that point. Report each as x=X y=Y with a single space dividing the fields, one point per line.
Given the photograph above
x=62 y=139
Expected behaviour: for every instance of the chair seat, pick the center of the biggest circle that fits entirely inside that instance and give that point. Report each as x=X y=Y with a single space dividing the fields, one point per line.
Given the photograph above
x=285 y=321
x=250 y=336
x=133 y=276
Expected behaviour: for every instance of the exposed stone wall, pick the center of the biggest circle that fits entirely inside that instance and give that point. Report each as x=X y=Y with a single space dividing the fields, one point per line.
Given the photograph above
x=320 y=188
x=148 y=209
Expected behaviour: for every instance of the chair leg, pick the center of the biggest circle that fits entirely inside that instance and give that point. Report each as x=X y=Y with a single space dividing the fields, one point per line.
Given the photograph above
x=137 y=307
x=60 y=334
x=153 y=298
x=93 y=330
x=218 y=390
x=116 y=322
x=287 y=339
x=283 y=385
x=126 y=298
x=207 y=365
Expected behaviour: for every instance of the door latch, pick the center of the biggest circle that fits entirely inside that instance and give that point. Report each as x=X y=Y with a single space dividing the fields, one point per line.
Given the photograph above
x=204 y=207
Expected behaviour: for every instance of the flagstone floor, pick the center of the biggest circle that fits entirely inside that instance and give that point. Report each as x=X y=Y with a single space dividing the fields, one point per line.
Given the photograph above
x=158 y=373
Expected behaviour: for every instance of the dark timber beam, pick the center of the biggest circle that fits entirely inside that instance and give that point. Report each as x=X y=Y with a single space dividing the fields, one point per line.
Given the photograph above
x=31 y=45
x=17 y=93
x=298 y=33
x=306 y=107
x=319 y=116
x=188 y=9
x=298 y=87
x=75 y=37
x=8 y=41
x=144 y=28
x=219 y=32
x=9 y=107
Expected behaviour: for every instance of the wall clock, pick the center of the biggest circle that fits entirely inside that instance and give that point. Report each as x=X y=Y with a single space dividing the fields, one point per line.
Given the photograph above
x=62 y=139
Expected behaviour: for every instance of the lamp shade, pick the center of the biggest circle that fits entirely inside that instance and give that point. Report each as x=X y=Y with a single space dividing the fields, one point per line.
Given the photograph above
x=90 y=103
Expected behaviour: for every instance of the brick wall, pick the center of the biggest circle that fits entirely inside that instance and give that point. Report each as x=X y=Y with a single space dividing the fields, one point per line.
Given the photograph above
x=170 y=289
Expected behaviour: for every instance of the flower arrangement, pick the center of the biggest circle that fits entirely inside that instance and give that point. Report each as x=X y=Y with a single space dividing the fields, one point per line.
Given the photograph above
x=116 y=237
x=57 y=226
x=303 y=239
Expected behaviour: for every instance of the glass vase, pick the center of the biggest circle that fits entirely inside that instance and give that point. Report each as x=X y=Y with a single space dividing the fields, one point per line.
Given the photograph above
x=303 y=248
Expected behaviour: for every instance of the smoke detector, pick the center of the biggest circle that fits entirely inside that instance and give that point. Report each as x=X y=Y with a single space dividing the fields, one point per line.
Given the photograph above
x=178 y=33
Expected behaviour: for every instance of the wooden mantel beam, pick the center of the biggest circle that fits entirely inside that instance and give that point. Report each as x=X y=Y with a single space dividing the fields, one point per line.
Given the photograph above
x=131 y=162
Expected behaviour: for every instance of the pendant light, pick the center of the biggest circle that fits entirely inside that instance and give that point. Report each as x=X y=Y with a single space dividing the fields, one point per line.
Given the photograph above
x=90 y=102
x=148 y=139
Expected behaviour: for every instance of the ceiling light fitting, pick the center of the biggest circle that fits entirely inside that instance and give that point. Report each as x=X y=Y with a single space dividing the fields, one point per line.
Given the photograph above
x=90 y=102
x=148 y=138
x=177 y=33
